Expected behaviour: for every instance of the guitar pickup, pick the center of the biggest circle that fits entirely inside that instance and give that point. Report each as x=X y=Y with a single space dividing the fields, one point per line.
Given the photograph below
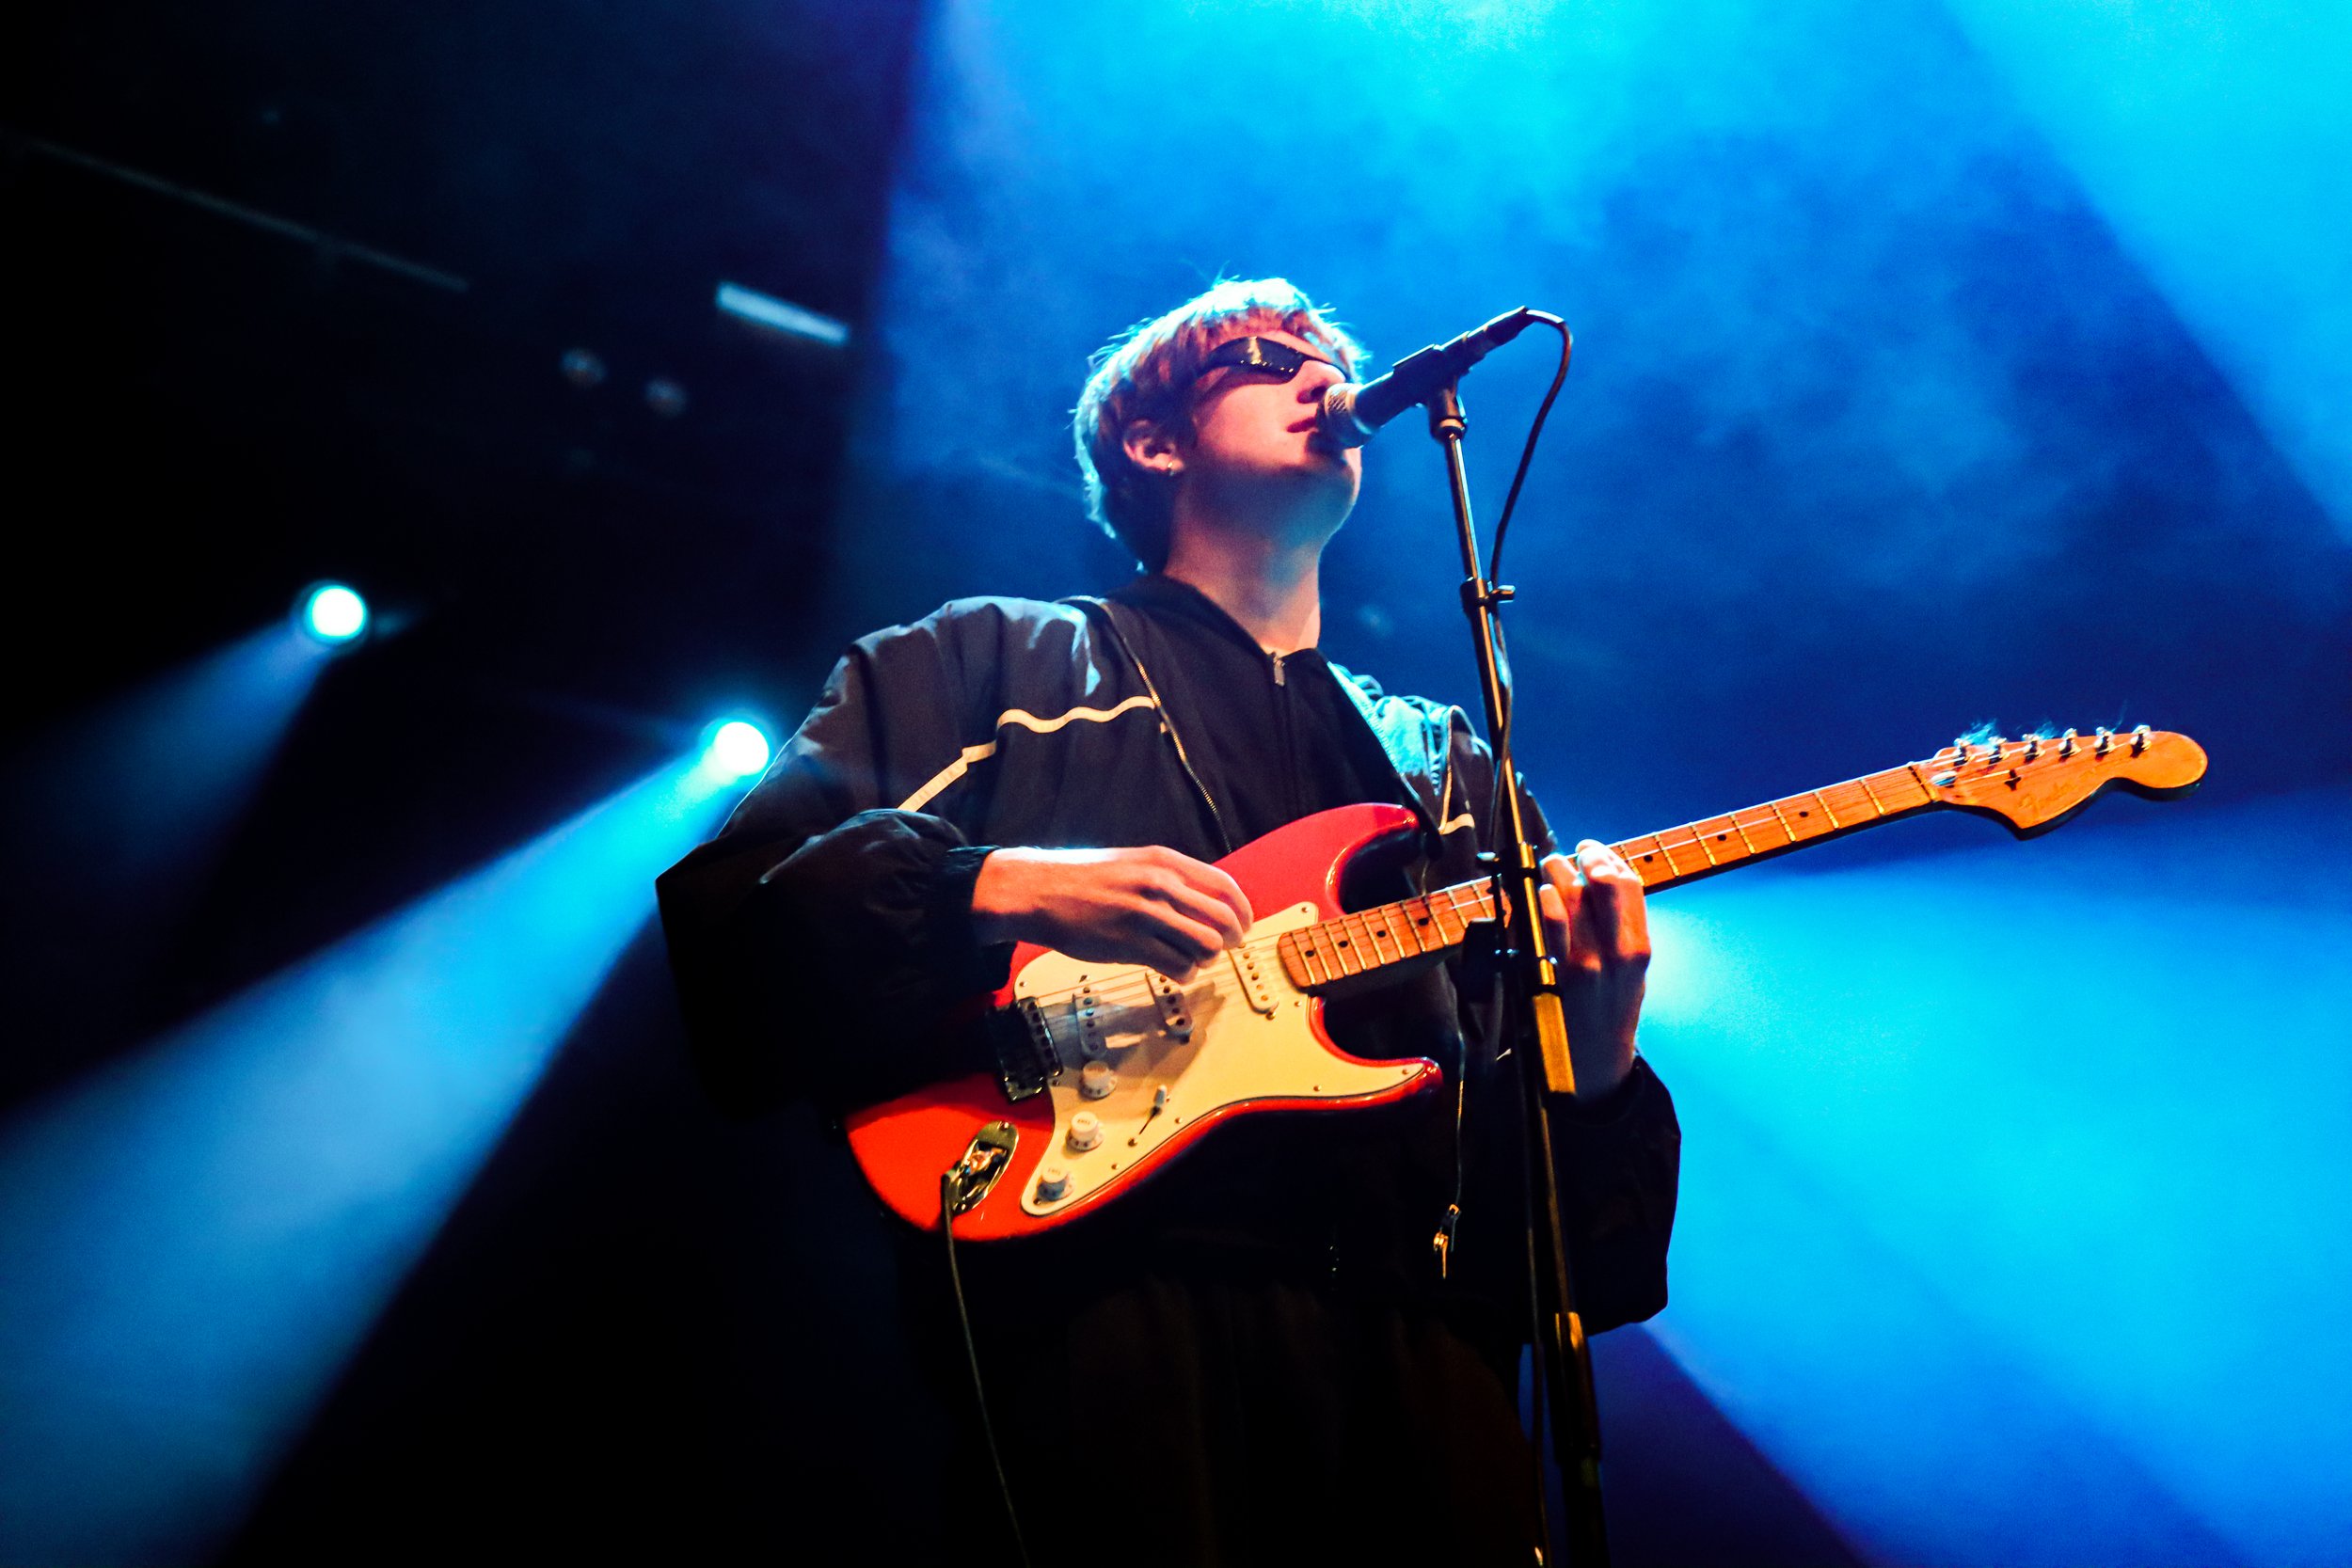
x=1175 y=1015
x=1027 y=1058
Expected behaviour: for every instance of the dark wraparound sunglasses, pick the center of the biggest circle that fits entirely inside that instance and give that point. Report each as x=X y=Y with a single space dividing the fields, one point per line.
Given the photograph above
x=1265 y=358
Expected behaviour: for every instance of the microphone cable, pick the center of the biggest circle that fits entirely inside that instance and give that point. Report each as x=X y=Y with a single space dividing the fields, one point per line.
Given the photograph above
x=1501 y=740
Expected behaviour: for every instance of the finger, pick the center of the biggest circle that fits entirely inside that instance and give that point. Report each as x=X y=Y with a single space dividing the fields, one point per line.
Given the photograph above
x=1218 y=884
x=1555 y=912
x=1619 y=913
x=1200 y=907
x=1168 y=961
x=1560 y=897
x=1192 y=942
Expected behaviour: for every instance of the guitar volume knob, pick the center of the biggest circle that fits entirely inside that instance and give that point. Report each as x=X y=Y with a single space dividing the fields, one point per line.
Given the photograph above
x=1086 y=1131
x=1096 y=1080
x=1053 y=1184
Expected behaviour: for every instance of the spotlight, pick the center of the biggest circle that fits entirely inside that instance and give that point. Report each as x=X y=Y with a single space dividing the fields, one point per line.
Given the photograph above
x=739 y=749
x=333 y=614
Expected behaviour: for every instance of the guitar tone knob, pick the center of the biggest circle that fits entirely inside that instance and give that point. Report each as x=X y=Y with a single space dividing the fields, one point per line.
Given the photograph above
x=1053 y=1184
x=1096 y=1080
x=1086 y=1131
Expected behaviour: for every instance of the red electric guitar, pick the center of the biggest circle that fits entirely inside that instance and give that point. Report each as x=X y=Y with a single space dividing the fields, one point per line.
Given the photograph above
x=1108 y=1072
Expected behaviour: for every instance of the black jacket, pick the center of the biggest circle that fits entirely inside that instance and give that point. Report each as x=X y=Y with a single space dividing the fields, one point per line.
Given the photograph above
x=820 y=938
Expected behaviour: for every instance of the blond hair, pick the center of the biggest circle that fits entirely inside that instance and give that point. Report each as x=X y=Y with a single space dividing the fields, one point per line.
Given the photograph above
x=1147 y=374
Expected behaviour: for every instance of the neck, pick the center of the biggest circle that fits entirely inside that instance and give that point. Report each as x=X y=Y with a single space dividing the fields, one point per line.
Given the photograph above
x=1272 y=587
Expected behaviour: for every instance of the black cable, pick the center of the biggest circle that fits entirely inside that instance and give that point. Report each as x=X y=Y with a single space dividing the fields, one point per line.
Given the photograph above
x=972 y=1354
x=1534 y=432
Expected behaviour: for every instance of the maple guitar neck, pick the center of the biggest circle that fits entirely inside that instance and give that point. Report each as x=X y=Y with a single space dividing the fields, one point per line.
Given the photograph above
x=2033 y=785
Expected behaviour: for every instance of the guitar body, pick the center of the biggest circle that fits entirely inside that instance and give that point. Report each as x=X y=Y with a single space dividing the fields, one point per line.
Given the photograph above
x=1241 y=1038
x=1112 y=1070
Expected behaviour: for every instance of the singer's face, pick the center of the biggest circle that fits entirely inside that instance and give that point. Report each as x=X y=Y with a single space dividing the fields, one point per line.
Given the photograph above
x=1254 y=438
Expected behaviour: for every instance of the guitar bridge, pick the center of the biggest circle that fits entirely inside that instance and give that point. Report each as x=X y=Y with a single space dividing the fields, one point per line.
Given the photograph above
x=1026 y=1060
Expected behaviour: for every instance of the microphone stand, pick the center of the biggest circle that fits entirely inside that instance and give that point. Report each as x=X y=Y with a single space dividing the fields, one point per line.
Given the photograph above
x=1563 y=1364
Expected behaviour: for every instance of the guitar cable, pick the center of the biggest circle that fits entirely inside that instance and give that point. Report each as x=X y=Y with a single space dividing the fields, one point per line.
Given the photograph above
x=972 y=1355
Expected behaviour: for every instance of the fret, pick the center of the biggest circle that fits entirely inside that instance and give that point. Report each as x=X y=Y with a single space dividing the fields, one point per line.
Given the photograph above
x=1343 y=944
x=1481 y=906
x=1301 y=945
x=1657 y=851
x=1732 y=856
x=1782 y=817
x=1874 y=795
x=1743 y=832
x=1645 y=866
x=1825 y=806
x=1699 y=834
x=1442 y=916
x=1666 y=849
x=1417 y=922
x=1438 y=935
x=1353 y=938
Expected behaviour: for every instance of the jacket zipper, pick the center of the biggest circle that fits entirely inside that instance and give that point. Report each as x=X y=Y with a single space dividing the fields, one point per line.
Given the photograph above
x=1289 y=737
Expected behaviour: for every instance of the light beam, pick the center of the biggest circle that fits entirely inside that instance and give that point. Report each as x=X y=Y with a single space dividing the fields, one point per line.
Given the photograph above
x=192 y=1244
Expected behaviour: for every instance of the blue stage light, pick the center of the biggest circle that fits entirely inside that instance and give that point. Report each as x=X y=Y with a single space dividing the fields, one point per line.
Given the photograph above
x=334 y=613
x=195 y=1240
x=738 y=749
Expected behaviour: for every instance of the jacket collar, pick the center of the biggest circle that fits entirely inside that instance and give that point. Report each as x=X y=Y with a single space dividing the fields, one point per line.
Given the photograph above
x=1416 y=737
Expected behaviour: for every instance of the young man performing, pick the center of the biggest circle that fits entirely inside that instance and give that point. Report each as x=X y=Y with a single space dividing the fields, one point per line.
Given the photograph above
x=1260 y=1354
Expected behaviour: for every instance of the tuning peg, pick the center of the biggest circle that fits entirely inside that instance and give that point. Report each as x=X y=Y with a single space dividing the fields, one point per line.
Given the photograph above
x=2033 y=747
x=2107 y=741
x=1994 y=749
x=1959 y=751
x=2139 y=738
x=2066 y=744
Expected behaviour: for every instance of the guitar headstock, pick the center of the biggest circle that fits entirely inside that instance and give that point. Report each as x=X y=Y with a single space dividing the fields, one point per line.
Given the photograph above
x=2036 y=783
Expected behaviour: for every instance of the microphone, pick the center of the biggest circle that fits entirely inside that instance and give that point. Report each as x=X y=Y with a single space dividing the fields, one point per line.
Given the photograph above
x=1352 y=415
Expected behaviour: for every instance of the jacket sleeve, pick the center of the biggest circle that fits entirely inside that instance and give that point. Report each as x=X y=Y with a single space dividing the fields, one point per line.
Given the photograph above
x=1619 y=1160
x=820 y=939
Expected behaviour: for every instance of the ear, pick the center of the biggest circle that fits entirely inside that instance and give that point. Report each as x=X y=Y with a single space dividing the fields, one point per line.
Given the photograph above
x=1152 y=445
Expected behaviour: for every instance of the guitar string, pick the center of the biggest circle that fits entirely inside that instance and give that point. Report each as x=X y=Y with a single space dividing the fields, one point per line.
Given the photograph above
x=1133 y=981
x=1133 y=987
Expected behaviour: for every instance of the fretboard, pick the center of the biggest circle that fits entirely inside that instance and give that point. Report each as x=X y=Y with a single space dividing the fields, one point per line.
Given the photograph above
x=1332 y=951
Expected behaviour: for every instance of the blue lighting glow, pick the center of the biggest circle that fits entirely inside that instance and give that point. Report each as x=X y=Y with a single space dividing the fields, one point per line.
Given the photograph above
x=192 y=1243
x=2012 y=1223
x=334 y=613
x=110 y=820
x=738 y=749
